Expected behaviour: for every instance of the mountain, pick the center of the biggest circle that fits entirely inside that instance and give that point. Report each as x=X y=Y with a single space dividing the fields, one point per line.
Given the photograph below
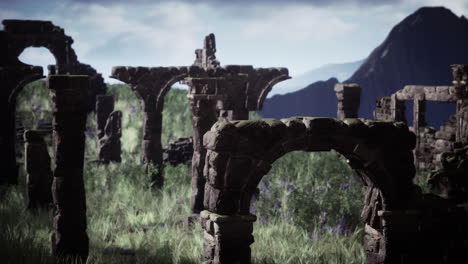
x=341 y=71
x=303 y=102
x=418 y=50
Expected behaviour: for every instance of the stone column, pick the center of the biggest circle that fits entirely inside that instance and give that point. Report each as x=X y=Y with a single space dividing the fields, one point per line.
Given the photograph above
x=397 y=108
x=349 y=98
x=203 y=117
x=37 y=164
x=227 y=238
x=68 y=94
x=152 y=146
x=419 y=111
x=13 y=79
x=8 y=167
x=462 y=121
x=203 y=100
x=110 y=146
x=104 y=107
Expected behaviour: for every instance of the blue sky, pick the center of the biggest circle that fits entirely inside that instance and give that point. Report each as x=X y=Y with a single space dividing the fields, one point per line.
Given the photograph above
x=300 y=35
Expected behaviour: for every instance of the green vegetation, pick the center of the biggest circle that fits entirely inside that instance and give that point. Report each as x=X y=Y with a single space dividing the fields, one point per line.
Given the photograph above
x=308 y=205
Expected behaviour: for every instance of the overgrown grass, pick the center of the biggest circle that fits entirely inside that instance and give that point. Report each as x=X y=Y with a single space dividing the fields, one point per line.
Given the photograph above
x=308 y=205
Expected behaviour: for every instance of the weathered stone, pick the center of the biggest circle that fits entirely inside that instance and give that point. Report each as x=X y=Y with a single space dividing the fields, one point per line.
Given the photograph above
x=104 y=107
x=37 y=164
x=230 y=242
x=16 y=36
x=110 y=146
x=348 y=96
x=69 y=111
x=179 y=151
x=151 y=85
x=386 y=167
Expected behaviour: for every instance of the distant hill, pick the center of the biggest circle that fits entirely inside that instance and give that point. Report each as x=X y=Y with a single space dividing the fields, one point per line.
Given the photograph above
x=303 y=102
x=418 y=50
x=341 y=71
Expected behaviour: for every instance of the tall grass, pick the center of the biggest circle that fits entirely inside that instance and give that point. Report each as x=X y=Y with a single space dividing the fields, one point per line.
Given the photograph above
x=308 y=205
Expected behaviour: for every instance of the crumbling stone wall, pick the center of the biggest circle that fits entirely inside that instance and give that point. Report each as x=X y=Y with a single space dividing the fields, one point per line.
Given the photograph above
x=240 y=153
x=388 y=108
x=68 y=94
x=16 y=36
x=37 y=164
x=430 y=143
x=402 y=225
x=179 y=151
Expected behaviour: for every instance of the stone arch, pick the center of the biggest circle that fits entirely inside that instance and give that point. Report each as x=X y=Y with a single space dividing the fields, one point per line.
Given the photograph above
x=16 y=36
x=21 y=34
x=260 y=83
x=21 y=84
x=276 y=75
x=240 y=153
x=151 y=84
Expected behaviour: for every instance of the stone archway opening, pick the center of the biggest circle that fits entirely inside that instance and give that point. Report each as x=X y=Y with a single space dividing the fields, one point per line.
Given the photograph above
x=176 y=114
x=40 y=56
x=128 y=103
x=240 y=153
x=32 y=104
x=315 y=199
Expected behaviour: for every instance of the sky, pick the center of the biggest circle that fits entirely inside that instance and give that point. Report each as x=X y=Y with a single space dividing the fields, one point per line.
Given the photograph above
x=298 y=34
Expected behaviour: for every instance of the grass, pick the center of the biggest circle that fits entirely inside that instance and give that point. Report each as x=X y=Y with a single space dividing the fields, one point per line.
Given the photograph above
x=308 y=205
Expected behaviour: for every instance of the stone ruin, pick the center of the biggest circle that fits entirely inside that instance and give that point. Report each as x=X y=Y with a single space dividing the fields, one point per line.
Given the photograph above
x=179 y=151
x=150 y=86
x=402 y=225
x=110 y=148
x=213 y=92
x=14 y=39
x=349 y=98
x=430 y=143
x=69 y=101
x=39 y=173
x=109 y=126
x=222 y=92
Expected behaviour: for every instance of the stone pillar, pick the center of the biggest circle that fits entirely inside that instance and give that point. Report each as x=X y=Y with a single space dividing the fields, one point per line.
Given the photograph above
x=397 y=108
x=227 y=238
x=203 y=117
x=462 y=121
x=68 y=94
x=419 y=111
x=13 y=79
x=152 y=146
x=110 y=146
x=348 y=96
x=8 y=166
x=104 y=107
x=203 y=99
x=37 y=164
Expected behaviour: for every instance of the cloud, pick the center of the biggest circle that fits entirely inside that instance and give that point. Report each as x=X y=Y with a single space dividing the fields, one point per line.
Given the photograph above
x=250 y=2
